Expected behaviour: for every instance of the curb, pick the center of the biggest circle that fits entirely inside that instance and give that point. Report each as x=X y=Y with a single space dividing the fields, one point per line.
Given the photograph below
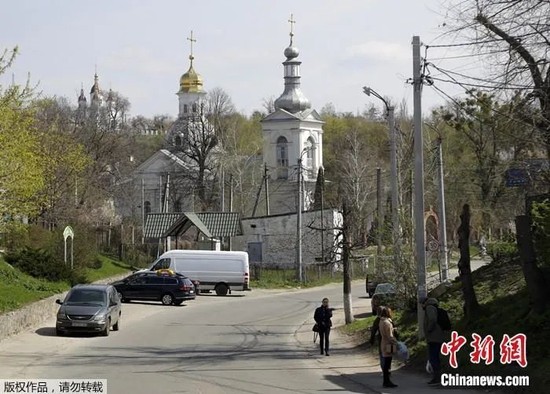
x=35 y=313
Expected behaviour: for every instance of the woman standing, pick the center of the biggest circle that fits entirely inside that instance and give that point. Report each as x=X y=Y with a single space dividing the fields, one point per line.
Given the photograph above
x=388 y=345
x=322 y=317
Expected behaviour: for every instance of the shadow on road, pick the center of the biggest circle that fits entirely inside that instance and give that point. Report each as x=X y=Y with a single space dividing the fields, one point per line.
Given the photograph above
x=355 y=382
x=46 y=332
x=153 y=303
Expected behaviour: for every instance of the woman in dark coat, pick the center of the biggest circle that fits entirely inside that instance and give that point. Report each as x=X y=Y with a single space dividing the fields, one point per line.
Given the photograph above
x=322 y=317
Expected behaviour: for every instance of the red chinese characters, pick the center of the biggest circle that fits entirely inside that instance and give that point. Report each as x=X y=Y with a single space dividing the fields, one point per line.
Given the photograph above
x=512 y=349
x=452 y=347
x=483 y=349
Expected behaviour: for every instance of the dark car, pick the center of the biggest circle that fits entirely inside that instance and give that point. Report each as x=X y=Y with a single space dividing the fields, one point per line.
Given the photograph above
x=384 y=294
x=89 y=308
x=166 y=286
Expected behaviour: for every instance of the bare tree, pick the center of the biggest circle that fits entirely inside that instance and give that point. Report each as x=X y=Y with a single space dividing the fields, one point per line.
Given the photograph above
x=512 y=38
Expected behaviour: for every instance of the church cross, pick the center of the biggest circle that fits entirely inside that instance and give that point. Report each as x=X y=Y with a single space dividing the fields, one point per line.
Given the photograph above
x=191 y=40
x=292 y=22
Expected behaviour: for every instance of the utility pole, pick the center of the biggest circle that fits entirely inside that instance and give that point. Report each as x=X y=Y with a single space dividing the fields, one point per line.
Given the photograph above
x=142 y=211
x=299 y=224
x=379 y=219
x=442 y=215
x=420 y=235
x=266 y=182
x=222 y=202
x=258 y=197
x=396 y=236
x=229 y=243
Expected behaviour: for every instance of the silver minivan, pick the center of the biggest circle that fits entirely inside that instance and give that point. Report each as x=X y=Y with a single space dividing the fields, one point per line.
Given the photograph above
x=89 y=308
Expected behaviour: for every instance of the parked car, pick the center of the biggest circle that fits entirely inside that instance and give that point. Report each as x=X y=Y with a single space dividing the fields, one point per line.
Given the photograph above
x=165 y=286
x=384 y=294
x=89 y=308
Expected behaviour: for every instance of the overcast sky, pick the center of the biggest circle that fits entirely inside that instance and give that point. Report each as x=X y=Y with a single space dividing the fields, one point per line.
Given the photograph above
x=140 y=48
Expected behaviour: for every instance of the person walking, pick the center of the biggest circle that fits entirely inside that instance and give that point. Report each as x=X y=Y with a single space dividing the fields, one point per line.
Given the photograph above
x=435 y=337
x=388 y=344
x=322 y=317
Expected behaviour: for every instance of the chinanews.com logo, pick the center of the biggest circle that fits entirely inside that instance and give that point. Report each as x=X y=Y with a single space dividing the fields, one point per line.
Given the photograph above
x=512 y=349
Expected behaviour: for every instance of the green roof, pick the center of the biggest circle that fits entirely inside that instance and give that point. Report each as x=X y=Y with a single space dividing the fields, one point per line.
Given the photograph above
x=211 y=224
x=156 y=224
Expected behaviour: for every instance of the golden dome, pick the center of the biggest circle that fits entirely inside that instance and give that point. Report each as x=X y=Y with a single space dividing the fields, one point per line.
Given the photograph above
x=191 y=82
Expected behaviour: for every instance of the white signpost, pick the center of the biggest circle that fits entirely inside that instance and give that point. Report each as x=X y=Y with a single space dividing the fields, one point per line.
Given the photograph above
x=69 y=233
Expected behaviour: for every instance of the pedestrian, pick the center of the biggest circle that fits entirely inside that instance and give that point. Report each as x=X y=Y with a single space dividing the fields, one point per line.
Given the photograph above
x=388 y=344
x=435 y=336
x=375 y=334
x=322 y=317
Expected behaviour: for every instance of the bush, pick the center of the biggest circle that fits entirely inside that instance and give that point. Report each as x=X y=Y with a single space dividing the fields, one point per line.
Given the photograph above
x=96 y=264
x=541 y=233
x=39 y=263
x=502 y=251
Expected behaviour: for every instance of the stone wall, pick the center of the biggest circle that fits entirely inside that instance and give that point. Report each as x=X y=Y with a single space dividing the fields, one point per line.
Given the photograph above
x=37 y=313
x=277 y=235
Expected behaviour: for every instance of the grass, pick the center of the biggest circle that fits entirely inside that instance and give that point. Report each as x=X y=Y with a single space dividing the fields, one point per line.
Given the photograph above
x=286 y=278
x=109 y=267
x=18 y=289
x=504 y=309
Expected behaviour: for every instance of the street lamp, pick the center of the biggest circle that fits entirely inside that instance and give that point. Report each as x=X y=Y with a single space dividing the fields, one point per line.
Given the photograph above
x=299 y=263
x=393 y=172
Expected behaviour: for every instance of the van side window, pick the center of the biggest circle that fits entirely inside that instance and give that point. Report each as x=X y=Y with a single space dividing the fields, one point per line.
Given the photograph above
x=162 y=264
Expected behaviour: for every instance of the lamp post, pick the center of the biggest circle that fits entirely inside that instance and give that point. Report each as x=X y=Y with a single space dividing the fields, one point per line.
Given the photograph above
x=393 y=173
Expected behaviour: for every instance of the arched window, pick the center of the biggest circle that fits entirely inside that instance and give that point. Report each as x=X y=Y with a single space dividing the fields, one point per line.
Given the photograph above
x=177 y=141
x=147 y=207
x=177 y=205
x=310 y=158
x=195 y=108
x=185 y=108
x=282 y=158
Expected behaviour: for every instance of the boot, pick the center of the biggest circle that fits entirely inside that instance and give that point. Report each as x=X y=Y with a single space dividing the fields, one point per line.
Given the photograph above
x=387 y=382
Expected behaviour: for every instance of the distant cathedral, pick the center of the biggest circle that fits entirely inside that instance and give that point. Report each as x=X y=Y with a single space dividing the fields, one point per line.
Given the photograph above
x=100 y=107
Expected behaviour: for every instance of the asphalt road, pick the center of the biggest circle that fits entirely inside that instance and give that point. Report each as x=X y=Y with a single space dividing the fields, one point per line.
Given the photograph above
x=244 y=343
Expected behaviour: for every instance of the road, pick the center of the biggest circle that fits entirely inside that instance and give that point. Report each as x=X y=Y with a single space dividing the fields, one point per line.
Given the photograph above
x=234 y=344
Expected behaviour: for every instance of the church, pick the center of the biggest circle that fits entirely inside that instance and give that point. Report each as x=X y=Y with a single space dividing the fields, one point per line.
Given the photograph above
x=292 y=154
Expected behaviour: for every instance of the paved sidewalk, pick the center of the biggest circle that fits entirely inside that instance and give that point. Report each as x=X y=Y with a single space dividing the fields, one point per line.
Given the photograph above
x=357 y=369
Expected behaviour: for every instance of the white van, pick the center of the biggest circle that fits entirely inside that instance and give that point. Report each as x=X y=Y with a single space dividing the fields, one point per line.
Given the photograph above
x=219 y=271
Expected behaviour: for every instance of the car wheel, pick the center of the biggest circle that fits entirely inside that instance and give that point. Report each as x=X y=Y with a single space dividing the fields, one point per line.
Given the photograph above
x=116 y=327
x=178 y=302
x=107 y=329
x=222 y=289
x=122 y=299
x=167 y=299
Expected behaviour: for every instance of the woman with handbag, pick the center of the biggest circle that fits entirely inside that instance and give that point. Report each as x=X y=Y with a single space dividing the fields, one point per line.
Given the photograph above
x=322 y=317
x=388 y=344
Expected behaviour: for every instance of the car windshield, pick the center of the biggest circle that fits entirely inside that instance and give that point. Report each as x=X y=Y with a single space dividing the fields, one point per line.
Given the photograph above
x=87 y=297
x=384 y=288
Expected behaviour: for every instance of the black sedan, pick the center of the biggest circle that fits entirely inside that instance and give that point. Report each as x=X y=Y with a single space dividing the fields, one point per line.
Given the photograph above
x=167 y=287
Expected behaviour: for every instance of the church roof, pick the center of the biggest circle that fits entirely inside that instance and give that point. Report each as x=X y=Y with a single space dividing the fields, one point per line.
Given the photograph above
x=282 y=114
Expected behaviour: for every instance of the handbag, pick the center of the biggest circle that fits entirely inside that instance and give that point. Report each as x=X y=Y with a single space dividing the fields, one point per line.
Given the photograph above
x=402 y=351
x=315 y=328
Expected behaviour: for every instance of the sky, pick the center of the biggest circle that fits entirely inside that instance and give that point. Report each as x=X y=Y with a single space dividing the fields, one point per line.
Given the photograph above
x=140 y=48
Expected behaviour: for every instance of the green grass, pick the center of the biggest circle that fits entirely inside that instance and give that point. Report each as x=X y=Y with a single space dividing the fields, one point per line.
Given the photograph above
x=18 y=289
x=109 y=267
x=504 y=309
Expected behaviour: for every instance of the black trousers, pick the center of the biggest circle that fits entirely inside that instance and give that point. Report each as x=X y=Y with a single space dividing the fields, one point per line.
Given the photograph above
x=386 y=367
x=323 y=339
